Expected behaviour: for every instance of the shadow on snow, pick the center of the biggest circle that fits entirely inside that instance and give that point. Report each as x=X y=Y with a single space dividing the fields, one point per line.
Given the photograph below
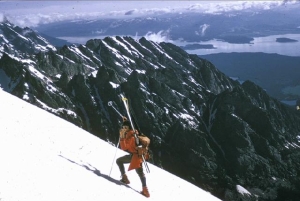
x=98 y=173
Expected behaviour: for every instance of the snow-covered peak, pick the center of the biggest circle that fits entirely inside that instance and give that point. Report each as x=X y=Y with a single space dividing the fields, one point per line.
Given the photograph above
x=46 y=158
x=16 y=41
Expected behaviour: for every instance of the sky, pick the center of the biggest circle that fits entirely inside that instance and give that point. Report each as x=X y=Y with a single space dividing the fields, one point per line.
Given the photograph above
x=33 y=13
x=45 y=158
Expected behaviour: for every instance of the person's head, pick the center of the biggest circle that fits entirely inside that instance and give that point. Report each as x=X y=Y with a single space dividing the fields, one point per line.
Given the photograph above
x=126 y=125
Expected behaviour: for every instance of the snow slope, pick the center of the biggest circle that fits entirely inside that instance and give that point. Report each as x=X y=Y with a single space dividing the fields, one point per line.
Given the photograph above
x=45 y=158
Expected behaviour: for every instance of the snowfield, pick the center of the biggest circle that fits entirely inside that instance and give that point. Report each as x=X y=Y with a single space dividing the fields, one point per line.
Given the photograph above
x=45 y=158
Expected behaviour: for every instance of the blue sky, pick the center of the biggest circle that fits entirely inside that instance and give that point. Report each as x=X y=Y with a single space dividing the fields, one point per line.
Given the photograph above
x=33 y=13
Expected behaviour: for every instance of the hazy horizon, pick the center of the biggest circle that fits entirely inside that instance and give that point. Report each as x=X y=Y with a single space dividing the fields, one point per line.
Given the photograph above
x=34 y=13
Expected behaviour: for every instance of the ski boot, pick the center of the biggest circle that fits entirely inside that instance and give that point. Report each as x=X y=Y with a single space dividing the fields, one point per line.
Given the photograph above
x=145 y=192
x=124 y=179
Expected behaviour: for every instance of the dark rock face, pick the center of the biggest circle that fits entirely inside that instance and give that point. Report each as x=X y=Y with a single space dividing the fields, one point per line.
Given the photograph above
x=204 y=127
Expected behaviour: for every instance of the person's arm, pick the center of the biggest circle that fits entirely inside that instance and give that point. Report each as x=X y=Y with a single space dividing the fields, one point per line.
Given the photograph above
x=128 y=143
x=123 y=143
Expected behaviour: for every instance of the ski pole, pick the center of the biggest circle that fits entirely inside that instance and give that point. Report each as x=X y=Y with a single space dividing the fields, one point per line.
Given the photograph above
x=111 y=105
x=114 y=157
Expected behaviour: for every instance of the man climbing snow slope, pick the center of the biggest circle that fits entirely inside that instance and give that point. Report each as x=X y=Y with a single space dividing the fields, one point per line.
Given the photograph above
x=128 y=144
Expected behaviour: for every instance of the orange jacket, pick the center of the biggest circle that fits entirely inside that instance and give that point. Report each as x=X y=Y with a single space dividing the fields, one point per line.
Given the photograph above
x=128 y=144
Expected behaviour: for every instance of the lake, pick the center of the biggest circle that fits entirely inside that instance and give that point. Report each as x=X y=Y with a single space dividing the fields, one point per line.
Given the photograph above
x=266 y=44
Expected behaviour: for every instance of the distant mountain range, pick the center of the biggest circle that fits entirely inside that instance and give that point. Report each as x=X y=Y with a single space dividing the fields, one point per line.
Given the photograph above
x=204 y=127
x=233 y=26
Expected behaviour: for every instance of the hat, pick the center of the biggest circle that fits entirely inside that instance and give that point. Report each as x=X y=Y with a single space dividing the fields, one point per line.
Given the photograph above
x=127 y=123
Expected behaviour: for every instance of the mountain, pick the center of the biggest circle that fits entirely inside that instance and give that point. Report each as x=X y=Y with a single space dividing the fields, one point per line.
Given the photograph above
x=204 y=127
x=277 y=74
x=46 y=158
x=233 y=24
x=55 y=41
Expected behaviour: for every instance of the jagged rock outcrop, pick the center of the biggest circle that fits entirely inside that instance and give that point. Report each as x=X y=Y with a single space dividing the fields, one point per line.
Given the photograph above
x=204 y=127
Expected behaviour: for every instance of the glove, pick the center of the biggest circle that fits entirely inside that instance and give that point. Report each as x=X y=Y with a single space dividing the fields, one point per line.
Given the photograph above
x=140 y=150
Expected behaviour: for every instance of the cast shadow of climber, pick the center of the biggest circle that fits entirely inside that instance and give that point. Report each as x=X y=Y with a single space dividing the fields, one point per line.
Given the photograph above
x=97 y=172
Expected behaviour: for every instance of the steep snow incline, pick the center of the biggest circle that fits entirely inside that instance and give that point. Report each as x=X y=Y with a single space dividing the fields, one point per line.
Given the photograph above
x=45 y=158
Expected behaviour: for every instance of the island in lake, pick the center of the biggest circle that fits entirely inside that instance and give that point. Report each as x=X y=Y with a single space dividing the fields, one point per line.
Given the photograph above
x=198 y=46
x=285 y=40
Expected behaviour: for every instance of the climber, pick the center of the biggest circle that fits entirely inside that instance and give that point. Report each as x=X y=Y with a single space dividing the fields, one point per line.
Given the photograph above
x=128 y=144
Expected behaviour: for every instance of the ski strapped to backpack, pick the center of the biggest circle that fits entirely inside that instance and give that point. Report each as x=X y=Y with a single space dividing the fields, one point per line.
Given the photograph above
x=141 y=141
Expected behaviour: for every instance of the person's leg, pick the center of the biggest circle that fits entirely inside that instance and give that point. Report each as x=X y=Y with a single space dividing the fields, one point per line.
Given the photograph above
x=120 y=162
x=142 y=176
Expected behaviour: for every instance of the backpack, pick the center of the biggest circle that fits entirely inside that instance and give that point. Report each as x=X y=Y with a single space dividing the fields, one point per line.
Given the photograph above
x=145 y=142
